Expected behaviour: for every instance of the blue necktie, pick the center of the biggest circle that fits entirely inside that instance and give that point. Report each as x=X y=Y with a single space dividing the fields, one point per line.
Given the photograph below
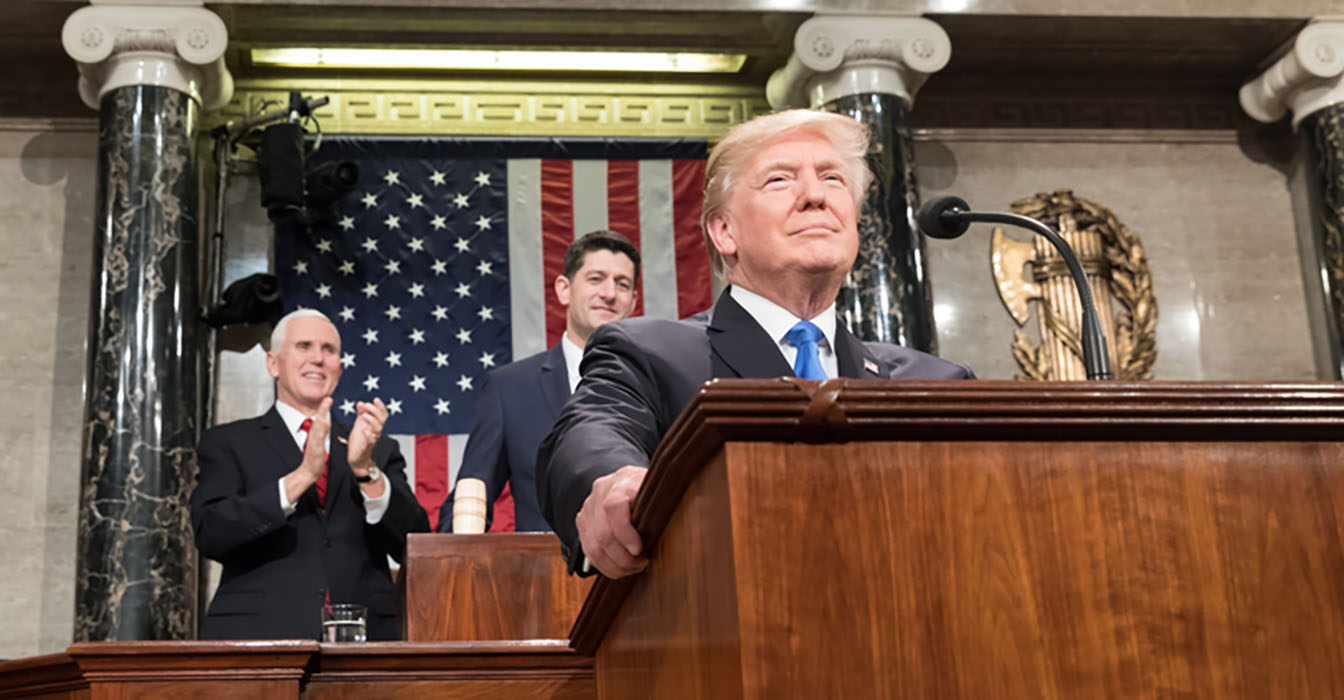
x=804 y=336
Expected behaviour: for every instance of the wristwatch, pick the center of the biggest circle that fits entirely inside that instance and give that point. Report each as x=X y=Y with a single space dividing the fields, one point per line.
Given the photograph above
x=372 y=476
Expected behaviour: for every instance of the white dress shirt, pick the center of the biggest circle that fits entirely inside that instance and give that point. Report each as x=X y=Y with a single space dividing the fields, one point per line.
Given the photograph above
x=374 y=508
x=573 y=356
x=777 y=321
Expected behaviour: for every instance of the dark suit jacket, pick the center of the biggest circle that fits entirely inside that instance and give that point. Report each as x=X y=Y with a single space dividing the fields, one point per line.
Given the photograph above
x=638 y=375
x=277 y=569
x=516 y=408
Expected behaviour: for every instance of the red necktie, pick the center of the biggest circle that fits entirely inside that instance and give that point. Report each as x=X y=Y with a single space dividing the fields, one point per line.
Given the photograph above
x=321 y=480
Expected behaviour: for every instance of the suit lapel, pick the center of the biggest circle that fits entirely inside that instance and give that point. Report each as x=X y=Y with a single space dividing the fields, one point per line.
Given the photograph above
x=275 y=434
x=555 y=378
x=853 y=359
x=339 y=477
x=739 y=346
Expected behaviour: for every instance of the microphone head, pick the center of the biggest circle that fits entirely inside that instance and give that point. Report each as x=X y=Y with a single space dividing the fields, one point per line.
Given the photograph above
x=937 y=217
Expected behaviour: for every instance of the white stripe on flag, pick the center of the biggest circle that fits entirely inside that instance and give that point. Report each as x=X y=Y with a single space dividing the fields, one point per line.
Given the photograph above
x=590 y=196
x=657 y=239
x=457 y=446
x=527 y=293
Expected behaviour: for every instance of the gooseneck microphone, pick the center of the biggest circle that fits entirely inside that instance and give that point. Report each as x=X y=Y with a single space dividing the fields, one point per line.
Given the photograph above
x=949 y=217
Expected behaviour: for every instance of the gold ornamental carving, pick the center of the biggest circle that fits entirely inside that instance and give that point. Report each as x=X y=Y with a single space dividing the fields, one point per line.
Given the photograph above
x=1116 y=268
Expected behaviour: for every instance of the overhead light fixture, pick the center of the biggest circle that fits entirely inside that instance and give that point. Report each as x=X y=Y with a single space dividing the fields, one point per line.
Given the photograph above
x=518 y=60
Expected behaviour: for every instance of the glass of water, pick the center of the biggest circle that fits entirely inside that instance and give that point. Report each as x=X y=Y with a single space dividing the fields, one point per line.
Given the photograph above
x=343 y=622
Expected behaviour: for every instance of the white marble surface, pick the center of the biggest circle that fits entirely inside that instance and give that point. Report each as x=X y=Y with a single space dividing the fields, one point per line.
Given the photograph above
x=47 y=196
x=1218 y=227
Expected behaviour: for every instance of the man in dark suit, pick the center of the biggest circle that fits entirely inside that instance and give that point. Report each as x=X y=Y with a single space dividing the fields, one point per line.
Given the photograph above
x=782 y=196
x=298 y=508
x=519 y=402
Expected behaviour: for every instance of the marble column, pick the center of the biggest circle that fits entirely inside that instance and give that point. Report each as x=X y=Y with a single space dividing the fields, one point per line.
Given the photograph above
x=870 y=67
x=148 y=69
x=1308 y=81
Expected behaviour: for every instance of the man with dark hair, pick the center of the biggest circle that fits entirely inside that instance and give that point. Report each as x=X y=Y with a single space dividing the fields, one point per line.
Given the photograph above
x=519 y=401
x=782 y=197
x=298 y=508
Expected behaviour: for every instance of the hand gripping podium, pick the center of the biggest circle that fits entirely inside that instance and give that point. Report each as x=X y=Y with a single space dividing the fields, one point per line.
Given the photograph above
x=985 y=539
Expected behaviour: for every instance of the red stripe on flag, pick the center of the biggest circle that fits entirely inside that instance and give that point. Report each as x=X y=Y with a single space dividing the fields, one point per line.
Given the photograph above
x=694 y=291
x=557 y=232
x=431 y=474
x=623 y=206
x=503 y=514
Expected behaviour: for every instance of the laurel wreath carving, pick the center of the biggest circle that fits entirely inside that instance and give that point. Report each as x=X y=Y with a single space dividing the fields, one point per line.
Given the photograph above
x=1131 y=285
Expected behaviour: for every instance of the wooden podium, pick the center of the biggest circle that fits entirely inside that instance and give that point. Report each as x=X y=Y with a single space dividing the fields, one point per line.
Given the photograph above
x=871 y=539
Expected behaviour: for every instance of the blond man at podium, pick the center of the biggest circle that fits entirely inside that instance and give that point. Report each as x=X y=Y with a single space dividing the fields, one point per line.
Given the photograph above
x=780 y=216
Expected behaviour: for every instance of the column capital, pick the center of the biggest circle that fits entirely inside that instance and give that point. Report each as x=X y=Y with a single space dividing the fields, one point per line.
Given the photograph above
x=1308 y=75
x=840 y=55
x=170 y=43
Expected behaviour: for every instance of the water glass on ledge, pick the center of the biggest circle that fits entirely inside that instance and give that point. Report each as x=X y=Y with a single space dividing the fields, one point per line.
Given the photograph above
x=343 y=622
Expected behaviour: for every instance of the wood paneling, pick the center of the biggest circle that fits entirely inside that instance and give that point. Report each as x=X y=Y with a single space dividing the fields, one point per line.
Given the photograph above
x=990 y=540
x=497 y=586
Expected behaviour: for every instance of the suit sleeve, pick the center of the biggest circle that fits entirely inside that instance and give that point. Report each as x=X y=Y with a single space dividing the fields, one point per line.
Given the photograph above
x=224 y=516
x=614 y=419
x=404 y=514
x=484 y=457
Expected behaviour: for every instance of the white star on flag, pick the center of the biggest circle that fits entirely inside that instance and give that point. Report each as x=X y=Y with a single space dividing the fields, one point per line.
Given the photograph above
x=347 y=406
x=441 y=359
x=417 y=383
x=414 y=201
x=487 y=360
x=370 y=290
x=324 y=245
x=440 y=313
x=437 y=178
x=483 y=179
x=463 y=290
x=370 y=245
x=370 y=200
x=416 y=244
x=392 y=221
x=370 y=336
x=392 y=177
x=347 y=314
x=463 y=336
x=483 y=223
x=347 y=223
x=347 y=267
x=441 y=406
x=393 y=312
x=324 y=291
x=461 y=200
x=301 y=267
x=393 y=359
x=440 y=267
x=485 y=268
x=347 y=360
x=370 y=383
x=393 y=267
x=394 y=407
x=417 y=336
x=438 y=222
x=416 y=290
x=463 y=245
x=464 y=383
x=486 y=313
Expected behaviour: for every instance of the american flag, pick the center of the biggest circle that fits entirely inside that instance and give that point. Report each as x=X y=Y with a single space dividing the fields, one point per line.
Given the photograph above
x=439 y=267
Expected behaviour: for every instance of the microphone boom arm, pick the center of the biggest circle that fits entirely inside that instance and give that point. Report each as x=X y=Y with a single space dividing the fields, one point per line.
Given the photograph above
x=1096 y=360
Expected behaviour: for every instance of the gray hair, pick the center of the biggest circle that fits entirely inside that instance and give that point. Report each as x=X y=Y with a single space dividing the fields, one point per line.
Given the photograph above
x=742 y=142
x=281 y=327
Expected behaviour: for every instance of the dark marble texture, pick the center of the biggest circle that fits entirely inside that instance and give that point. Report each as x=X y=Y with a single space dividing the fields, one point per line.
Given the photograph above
x=886 y=296
x=1322 y=134
x=136 y=570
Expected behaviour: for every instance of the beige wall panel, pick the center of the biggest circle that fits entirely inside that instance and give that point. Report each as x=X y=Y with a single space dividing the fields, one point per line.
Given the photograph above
x=1217 y=223
x=47 y=197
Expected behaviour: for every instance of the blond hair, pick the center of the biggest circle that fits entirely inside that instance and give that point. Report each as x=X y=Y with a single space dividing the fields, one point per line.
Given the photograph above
x=741 y=144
